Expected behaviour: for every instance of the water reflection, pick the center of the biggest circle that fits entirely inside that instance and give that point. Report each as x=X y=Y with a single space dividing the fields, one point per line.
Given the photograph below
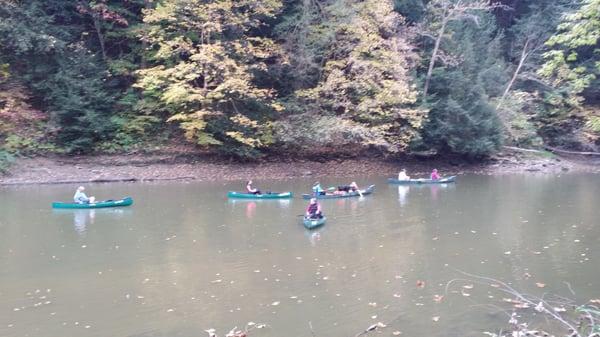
x=250 y=209
x=81 y=219
x=314 y=235
x=402 y=194
x=84 y=218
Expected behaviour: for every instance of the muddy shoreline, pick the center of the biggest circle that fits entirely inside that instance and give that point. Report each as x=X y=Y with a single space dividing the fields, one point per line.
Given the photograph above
x=178 y=167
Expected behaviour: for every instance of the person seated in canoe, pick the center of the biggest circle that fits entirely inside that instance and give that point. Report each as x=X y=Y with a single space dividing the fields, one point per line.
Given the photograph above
x=435 y=175
x=353 y=187
x=317 y=189
x=81 y=198
x=402 y=175
x=313 y=211
x=250 y=189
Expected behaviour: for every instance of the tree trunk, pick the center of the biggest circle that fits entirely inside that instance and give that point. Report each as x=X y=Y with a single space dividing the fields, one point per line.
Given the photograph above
x=524 y=55
x=144 y=61
x=100 y=36
x=438 y=40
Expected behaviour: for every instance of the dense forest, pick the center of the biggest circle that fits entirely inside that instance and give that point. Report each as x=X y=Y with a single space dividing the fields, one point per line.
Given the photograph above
x=249 y=78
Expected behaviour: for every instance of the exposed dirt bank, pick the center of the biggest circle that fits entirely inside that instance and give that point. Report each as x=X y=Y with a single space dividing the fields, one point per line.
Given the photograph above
x=165 y=166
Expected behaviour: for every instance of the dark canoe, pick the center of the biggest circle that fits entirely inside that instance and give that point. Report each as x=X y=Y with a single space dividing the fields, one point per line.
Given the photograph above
x=422 y=181
x=313 y=223
x=99 y=204
x=271 y=195
x=366 y=191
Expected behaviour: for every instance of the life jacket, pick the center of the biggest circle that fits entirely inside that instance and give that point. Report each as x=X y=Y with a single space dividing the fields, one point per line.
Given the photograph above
x=313 y=208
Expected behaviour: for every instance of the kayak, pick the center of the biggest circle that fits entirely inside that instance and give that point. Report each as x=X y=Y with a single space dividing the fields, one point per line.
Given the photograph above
x=270 y=195
x=99 y=204
x=366 y=191
x=422 y=181
x=313 y=223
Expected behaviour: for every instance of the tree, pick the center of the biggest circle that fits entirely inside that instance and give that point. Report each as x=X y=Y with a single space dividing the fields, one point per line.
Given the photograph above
x=207 y=55
x=461 y=119
x=444 y=12
x=574 y=60
x=41 y=42
x=365 y=82
x=530 y=31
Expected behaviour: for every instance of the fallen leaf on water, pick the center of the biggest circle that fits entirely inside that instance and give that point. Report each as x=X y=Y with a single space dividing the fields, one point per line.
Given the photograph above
x=510 y=300
x=522 y=305
x=435 y=318
x=420 y=284
x=540 y=285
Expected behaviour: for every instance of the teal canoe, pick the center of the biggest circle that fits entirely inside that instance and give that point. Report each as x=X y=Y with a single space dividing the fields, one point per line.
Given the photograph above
x=422 y=181
x=270 y=195
x=313 y=223
x=99 y=204
x=366 y=191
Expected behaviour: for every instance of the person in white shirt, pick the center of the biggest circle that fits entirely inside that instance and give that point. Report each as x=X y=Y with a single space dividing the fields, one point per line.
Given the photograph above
x=402 y=175
x=81 y=198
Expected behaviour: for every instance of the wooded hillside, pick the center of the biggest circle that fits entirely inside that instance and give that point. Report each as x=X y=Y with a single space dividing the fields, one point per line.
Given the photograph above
x=248 y=78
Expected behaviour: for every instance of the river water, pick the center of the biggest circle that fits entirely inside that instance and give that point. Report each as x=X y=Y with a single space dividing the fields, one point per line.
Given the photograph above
x=184 y=259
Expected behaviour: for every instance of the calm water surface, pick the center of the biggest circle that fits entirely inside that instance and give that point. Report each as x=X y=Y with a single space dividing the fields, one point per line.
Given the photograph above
x=184 y=259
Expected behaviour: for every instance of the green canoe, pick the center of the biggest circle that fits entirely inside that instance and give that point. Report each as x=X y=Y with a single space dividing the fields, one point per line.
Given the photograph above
x=366 y=191
x=422 y=181
x=270 y=195
x=99 y=204
x=313 y=223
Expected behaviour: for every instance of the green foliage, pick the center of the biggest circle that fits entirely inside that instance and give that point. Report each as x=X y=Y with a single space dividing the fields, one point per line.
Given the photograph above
x=244 y=78
x=365 y=81
x=203 y=72
x=6 y=160
x=412 y=10
x=462 y=119
x=574 y=61
x=519 y=113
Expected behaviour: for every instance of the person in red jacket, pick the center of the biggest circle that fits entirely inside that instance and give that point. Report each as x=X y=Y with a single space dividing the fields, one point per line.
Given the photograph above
x=313 y=211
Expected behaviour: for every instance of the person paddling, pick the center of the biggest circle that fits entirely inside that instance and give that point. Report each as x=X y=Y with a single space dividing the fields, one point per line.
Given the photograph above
x=81 y=198
x=317 y=189
x=313 y=211
x=251 y=189
x=435 y=175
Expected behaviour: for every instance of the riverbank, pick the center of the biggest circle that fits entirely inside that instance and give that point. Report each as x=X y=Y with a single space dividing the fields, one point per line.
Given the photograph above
x=178 y=166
